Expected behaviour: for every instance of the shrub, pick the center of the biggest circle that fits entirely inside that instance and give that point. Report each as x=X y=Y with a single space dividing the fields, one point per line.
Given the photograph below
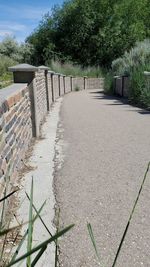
x=5 y=62
x=134 y=63
x=68 y=68
x=108 y=82
x=139 y=55
x=77 y=88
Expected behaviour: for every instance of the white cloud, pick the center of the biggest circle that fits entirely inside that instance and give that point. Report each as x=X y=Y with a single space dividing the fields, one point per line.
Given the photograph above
x=27 y=12
x=11 y=26
x=4 y=33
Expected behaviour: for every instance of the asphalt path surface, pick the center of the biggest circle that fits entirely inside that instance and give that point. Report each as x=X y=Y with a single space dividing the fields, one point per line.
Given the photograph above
x=105 y=144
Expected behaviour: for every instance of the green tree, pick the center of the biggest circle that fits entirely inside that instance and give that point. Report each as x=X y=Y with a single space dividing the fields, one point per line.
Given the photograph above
x=91 y=32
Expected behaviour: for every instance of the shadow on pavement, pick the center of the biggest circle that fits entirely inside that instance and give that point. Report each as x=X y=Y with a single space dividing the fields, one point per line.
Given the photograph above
x=117 y=101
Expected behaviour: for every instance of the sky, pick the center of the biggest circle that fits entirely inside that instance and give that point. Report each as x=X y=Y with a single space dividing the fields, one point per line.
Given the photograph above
x=20 y=17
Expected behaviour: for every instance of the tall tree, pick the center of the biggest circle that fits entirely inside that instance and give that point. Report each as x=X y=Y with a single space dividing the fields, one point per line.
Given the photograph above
x=91 y=32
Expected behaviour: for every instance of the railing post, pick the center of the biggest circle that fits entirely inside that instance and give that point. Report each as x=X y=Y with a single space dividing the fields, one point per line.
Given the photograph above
x=64 y=84
x=59 y=83
x=51 y=73
x=147 y=76
x=71 y=83
x=85 y=82
x=25 y=73
x=45 y=69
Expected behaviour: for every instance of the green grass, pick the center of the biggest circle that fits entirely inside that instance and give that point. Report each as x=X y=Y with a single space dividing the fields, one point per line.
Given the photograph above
x=75 y=70
x=6 y=79
x=37 y=251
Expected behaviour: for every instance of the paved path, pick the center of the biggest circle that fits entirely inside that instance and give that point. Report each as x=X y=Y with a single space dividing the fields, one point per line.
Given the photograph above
x=106 y=146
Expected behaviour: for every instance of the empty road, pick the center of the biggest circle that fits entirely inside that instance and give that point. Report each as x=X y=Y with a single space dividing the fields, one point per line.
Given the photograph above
x=103 y=150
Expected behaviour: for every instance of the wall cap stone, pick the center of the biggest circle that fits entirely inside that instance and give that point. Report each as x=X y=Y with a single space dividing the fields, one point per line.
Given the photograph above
x=147 y=73
x=43 y=67
x=10 y=90
x=51 y=72
x=23 y=67
x=117 y=77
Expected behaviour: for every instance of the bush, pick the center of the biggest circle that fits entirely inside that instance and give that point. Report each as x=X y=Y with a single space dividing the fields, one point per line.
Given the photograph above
x=108 y=82
x=5 y=62
x=139 y=55
x=134 y=63
x=5 y=76
x=137 y=84
x=68 y=68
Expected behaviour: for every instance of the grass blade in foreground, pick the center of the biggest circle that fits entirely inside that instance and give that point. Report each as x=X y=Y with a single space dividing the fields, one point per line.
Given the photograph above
x=4 y=198
x=30 y=226
x=93 y=240
x=38 y=256
x=26 y=233
x=40 y=217
x=130 y=217
x=40 y=246
x=56 y=243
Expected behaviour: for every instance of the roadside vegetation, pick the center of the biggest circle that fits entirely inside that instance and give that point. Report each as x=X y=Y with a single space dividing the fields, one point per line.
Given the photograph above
x=133 y=64
x=90 y=38
x=68 y=68
x=11 y=53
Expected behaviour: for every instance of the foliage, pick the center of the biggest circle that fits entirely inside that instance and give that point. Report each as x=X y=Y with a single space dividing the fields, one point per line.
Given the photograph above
x=90 y=32
x=68 y=68
x=137 y=56
x=134 y=63
x=5 y=76
x=108 y=82
x=5 y=62
x=15 y=51
x=12 y=53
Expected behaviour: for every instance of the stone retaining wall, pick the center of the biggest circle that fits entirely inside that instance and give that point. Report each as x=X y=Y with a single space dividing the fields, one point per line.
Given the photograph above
x=15 y=131
x=41 y=95
x=67 y=84
x=56 y=86
x=23 y=108
x=95 y=83
x=121 y=85
x=62 y=85
x=78 y=82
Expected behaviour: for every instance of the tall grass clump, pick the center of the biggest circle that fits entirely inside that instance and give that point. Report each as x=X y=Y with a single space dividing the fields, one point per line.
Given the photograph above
x=5 y=76
x=133 y=64
x=35 y=251
x=68 y=68
x=108 y=82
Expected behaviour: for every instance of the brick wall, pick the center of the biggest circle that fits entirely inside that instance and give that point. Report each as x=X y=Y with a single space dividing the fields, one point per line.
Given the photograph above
x=121 y=85
x=61 y=85
x=67 y=84
x=56 y=86
x=49 y=85
x=15 y=130
x=78 y=82
x=41 y=95
x=23 y=107
x=95 y=83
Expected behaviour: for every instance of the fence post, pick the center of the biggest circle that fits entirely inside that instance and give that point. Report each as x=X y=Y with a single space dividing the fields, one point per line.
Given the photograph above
x=25 y=73
x=147 y=76
x=51 y=73
x=59 y=83
x=85 y=82
x=64 y=83
x=71 y=83
x=46 y=85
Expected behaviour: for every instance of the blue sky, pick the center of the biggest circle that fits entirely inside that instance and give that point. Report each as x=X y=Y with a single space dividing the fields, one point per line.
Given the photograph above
x=20 y=18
